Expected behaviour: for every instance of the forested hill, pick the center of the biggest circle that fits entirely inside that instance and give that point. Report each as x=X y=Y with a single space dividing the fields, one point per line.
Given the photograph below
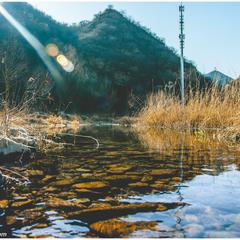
x=115 y=59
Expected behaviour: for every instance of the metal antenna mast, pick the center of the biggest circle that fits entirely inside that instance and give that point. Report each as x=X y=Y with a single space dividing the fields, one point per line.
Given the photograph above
x=182 y=37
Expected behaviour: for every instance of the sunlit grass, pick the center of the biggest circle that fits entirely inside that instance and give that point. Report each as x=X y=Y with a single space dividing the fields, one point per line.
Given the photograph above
x=211 y=109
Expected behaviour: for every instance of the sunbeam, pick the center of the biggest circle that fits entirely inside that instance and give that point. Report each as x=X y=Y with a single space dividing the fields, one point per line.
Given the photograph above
x=33 y=41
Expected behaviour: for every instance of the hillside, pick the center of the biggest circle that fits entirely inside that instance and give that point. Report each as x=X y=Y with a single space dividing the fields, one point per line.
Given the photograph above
x=219 y=78
x=115 y=60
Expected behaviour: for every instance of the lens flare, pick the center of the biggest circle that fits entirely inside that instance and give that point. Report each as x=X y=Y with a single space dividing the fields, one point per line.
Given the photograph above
x=69 y=67
x=62 y=60
x=44 y=53
x=66 y=64
x=33 y=41
x=52 y=50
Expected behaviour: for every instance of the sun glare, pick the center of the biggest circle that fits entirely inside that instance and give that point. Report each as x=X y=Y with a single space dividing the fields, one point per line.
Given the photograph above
x=65 y=63
x=52 y=50
x=43 y=52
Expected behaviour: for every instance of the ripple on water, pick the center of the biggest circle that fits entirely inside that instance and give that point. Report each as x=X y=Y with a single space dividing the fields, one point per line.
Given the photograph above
x=64 y=186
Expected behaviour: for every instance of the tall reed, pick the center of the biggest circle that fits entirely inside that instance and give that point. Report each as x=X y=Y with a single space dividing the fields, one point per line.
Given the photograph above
x=214 y=108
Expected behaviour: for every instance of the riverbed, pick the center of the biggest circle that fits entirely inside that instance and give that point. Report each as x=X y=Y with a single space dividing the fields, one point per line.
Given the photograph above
x=172 y=184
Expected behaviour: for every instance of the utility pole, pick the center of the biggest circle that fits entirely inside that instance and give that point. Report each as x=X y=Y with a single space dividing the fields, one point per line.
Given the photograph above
x=182 y=37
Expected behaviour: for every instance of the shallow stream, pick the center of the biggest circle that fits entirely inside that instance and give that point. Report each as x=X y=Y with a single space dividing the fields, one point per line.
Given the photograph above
x=164 y=184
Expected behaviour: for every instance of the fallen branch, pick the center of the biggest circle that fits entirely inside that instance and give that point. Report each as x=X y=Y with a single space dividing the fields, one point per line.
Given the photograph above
x=24 y=180
x=83 y=136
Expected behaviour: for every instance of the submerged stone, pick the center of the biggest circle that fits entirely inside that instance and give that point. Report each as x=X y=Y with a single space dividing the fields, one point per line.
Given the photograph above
x=67 y=194
x=138 y=185
x=117 y=169
x=10 y=220
x=86 y=193
x=100 y=205
x=34 y=173
x=94 y=214
x=146 y=178
x=60 y=203
x=22 y=203
x=4 y=204
x=63 y=182
x=82 y=170
x=86 y=175
x=48 y=179
x=32 y=214
x=134 y=173
x=81 y=200
x=41 y=225
x=119 y=228
x=51 y=189
x=91 y=185
x=176 y=179
x=17 y=198
x=162 y=172
x=159 y=185
x=121 y=178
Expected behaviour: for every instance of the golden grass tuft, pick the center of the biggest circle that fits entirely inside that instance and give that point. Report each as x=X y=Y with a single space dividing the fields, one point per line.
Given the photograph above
x=215 y=108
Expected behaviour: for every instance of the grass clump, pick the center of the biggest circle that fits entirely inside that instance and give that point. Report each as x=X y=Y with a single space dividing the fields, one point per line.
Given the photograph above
x=214 y=108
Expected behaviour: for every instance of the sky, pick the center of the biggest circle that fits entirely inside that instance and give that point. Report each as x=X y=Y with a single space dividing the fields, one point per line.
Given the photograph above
x=212 y=29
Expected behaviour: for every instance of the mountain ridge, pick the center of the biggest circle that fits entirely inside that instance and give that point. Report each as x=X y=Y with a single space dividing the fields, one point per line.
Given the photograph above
x=115 y=58
x=218 y=77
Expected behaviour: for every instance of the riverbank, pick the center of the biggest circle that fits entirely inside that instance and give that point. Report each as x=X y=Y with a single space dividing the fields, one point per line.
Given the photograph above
x=23 y=132
x=216 y=108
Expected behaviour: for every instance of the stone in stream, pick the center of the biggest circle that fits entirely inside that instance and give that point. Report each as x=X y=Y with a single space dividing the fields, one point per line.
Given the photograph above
x=34 y=173
x=4 y=203
x=62 y=183
x=32 y=214
x=82 y=170
x=118 y=228
x=19 y=198
x=118 y=169
x=128 y=178
x=50 y=189
x=137 y=185
x=67 y=194
x=60 y=203
x=48 y=179
x=163 y=172
x=19 y=204
x=10 y=220
x=100 y=205
x=94 y=214
x=87 y=193
x=91 y=185
x=100 y=175
x=176 y=179
x=159 y=185
x=146 y=178
x=87 y=175
x=134 y=173
x=41 y=225
x=81 y=200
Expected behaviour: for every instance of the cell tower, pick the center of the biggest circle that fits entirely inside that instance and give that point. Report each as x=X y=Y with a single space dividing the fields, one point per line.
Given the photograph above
x=182 y=37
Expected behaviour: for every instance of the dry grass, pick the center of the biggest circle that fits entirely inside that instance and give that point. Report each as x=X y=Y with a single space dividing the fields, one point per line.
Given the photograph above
x=213 y=109
x=54 y=124
x=26 y=128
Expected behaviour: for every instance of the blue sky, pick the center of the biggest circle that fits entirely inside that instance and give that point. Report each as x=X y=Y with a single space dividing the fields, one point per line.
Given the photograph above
x=212 y=29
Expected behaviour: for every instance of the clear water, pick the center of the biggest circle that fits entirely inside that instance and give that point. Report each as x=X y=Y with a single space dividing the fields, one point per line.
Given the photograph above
x=167 y=167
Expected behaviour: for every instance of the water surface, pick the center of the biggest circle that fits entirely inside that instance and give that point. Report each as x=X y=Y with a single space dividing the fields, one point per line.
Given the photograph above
x=195 y=179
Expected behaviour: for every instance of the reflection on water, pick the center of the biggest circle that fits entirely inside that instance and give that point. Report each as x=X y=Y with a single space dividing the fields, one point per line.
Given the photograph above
x=187 y=187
